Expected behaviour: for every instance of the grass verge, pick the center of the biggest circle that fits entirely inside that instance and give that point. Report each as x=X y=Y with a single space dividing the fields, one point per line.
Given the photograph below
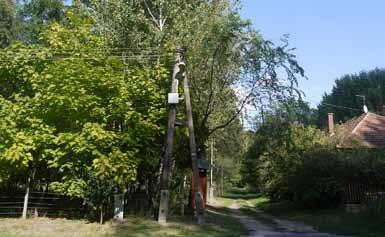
x=218 y=224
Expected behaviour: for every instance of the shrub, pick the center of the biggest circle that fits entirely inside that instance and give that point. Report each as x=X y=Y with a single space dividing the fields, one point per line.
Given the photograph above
x=321 y=178
x=302 y=164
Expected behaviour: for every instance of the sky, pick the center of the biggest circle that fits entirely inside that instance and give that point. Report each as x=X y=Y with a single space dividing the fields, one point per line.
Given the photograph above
x=332 y=37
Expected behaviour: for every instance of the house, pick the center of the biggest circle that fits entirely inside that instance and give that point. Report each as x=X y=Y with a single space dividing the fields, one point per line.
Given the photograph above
x=369 y=128
x=366 y=130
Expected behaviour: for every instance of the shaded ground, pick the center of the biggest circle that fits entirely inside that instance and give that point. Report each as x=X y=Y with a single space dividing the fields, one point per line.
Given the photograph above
x=269 y=226
x=369 y=223
x=364 y=224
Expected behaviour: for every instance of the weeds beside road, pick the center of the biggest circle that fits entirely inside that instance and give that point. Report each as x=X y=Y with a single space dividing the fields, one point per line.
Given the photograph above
x=218 y=224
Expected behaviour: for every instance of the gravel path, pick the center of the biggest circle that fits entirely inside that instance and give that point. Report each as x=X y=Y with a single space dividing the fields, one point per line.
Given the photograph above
x=259 y=229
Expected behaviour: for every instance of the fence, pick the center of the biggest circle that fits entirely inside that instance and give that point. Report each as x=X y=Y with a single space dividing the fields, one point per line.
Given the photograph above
x=55 y=205
x=137 y=203
x=360 y=193
x=41 y=204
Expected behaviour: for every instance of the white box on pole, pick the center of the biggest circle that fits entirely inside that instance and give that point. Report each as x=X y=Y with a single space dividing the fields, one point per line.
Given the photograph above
x=173 y=98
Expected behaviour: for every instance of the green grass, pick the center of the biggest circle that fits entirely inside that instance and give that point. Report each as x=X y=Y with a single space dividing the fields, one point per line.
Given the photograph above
x=218 y=224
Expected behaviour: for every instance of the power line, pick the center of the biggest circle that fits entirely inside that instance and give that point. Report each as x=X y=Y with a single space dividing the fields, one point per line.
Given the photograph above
x=152 y=49
x=323 y=104
x=55 y=58
x=338 y=106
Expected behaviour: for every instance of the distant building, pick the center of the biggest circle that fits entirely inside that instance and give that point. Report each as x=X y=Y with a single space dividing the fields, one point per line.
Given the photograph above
x=369 y=128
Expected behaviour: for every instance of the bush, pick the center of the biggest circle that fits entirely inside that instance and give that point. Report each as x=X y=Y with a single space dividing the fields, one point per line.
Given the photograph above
x=283 y=157
x=322 y=176
x=316 y=181
x=302 y=164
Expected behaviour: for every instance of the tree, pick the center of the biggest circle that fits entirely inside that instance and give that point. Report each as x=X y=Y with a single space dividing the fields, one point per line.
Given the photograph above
x=285 y=126
x=82 y=111
x=230 y=147
x=7 y=18
x=35 y=15
x=229 y=64
x=99 y=75
x=343 y=100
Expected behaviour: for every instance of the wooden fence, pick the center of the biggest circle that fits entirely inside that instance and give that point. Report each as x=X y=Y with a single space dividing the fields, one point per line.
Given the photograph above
x=360 y=197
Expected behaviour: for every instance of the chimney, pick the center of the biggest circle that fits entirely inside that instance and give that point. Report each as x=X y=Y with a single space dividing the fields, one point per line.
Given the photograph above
x=331 y=123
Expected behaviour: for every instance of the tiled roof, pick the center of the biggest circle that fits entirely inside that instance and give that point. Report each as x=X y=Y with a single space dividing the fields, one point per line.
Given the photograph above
x=352 y=123
x=369 y=127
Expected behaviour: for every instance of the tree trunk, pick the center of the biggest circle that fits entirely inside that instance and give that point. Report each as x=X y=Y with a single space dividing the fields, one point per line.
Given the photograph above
x=30 y=179
x=26 y=197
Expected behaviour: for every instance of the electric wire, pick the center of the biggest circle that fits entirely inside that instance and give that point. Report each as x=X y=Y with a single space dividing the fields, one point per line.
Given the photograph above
x=92 y=53
x=100 y=49
x=101 y=57
x=339 y=106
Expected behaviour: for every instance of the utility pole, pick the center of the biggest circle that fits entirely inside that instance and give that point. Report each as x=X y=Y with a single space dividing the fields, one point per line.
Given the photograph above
x=166 y=163
x=198 y=197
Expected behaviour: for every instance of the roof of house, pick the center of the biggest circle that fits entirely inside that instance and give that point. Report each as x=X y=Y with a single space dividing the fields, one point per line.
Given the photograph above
x=369 y=127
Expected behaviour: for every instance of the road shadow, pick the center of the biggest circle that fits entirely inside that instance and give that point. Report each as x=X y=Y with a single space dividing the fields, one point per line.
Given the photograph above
x=240 y=195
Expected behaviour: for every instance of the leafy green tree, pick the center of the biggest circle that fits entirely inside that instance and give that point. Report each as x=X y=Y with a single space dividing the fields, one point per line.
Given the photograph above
x=229 y=64
x=7 y=17
x=285 y=128
x=86 y=112
x=229 y=148
x=35 y=15
x=98 y=73
x=370 y=84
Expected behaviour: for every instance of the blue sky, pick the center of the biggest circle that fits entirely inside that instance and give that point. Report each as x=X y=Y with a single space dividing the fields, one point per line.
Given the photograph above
x=332 y=37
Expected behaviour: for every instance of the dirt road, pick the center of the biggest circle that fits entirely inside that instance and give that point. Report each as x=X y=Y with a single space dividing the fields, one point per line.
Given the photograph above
x=281 y=228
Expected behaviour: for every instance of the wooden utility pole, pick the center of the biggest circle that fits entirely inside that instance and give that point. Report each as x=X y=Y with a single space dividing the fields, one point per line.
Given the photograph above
x=166 y=163
x=198 y=197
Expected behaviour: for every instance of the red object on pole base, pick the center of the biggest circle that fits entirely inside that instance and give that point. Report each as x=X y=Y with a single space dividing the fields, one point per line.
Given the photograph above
x=203 y=191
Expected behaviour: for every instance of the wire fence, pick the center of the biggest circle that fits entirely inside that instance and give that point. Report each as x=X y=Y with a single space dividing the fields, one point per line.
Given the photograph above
x=40 y=204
